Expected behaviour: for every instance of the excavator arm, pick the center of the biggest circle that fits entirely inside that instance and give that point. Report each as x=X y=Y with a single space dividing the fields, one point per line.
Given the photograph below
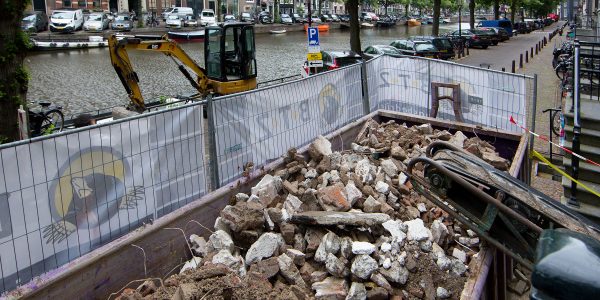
x=129 y=78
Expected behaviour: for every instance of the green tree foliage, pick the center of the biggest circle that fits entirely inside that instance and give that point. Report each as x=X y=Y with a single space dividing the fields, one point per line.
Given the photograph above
x=13 y=77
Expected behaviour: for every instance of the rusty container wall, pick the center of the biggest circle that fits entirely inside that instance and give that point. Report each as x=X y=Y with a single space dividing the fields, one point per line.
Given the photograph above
x=110 y=268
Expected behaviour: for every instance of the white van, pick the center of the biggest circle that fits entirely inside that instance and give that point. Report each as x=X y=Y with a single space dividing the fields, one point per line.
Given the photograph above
x=207 y=17
x=66 y=20
x=181 y=11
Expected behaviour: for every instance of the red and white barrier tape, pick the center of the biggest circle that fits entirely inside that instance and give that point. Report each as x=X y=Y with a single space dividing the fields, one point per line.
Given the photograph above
x=545 y=138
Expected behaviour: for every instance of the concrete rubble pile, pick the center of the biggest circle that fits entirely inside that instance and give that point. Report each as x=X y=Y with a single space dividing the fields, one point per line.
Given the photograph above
x=334 y=225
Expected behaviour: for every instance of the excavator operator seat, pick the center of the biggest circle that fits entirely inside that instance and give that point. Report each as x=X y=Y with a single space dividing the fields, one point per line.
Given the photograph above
x=229 y=51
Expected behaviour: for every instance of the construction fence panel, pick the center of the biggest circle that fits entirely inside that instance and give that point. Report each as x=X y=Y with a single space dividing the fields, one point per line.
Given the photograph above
x=64 y=195
x=487 y=98
x=260 y=126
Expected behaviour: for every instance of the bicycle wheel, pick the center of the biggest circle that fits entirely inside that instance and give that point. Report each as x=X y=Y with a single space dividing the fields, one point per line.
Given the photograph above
x=561 y=71
x=54 y=121
x=556 y=122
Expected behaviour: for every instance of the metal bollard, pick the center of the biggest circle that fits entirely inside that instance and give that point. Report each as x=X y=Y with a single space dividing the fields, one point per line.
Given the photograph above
x=513 y=66
x=521 y=61
x=526 y=57
x=531 y=53
x=467 y=50
x=536 y=50
x=503 y=69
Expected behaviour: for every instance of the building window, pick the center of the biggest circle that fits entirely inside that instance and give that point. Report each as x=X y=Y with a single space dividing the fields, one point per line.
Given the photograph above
x=97 y=3
x=81 y=3
x=67 y=3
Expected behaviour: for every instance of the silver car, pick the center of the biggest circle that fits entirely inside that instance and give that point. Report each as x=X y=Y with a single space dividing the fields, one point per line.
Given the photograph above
x=96 y=22
x=122 y=22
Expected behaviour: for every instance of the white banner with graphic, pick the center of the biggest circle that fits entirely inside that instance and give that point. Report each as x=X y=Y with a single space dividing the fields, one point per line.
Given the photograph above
x=261 y=126
x=65 y=196
x=487 y=98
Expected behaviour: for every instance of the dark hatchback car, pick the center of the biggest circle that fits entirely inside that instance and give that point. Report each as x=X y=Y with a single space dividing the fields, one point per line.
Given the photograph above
x=336 y=59
x=34 y=22
x=495 y=37
x=344 y=18
x=472 y=38
x=443 y=44
x=416 y=48
x=376 y=50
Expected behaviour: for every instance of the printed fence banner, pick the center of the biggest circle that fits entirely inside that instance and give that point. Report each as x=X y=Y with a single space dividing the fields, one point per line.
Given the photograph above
x=488 y=98
x=260 y=126
x=64 y=196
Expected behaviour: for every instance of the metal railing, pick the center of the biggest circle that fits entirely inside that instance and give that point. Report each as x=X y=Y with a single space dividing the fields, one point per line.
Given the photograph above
x=66 y=194
x=576 y=125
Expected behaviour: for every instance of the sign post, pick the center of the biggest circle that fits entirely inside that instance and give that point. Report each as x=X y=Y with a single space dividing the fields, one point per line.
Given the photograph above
x=314 y=57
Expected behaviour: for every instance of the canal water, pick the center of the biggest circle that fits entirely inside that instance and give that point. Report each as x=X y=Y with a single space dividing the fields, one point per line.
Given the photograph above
x=85 y=81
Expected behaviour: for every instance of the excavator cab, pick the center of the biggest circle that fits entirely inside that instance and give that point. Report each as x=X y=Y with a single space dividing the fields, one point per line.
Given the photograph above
x=230 y=57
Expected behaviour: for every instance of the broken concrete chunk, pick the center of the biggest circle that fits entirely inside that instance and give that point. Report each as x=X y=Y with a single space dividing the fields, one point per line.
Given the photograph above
x=382 y=187
x=421 y=207
x=458 y=139
x=339 y=218
x=191 y=264
x=289 y=270
x=331 y=288
x=297 y=256
x=319 y=147
x=371 y=205
x=438 y=232
x=425 y=129
x=398 y=153
x=235 y=263
x=496 y=161
x=443 y=262
x=363 y=170
x=458 y=268
x=352 y=192
x=330 y=243
x=198 y=245
x=268 y=267
x=334 y=266
x=396 y=229
x=221 y=240
x=417 y=231
x=389 y=168
x=292 y=204
x=357 y=292
x=460 y=255
x=267 y=189
x=396 y=273
x=442 y=293
x=266 y=246
x=241 y=197
x=363 y=248
x=333 y=198
x=363 y=266
x=380 y=280
x=243 y=216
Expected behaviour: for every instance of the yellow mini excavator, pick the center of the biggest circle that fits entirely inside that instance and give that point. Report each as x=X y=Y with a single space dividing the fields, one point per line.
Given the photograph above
x=229 y=56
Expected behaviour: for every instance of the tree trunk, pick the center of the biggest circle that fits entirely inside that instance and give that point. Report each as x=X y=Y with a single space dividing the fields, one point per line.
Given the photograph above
x=354 y=26
x=218 y=11
x=276 y=17
x=472 y=13
x=385 y=7
x=496 y=9
x=406 y=8
x=13 y=77
x=436 y=17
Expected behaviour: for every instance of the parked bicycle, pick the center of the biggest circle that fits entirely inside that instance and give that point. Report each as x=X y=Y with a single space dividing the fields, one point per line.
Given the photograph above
x=46 y=120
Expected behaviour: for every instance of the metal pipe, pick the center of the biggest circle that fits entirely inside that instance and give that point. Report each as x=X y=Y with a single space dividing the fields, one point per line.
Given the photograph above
x=475 y=191
x=576 y=127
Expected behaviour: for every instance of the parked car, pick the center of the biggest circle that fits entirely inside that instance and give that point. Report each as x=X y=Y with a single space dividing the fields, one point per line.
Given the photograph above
x=366 y=17
x=500 y=32
x=480 y=18
x=416 y=48
x=34 y=21
x=265 y=17
x=247 y=17
x=229 y=19
x=505 y=24
x=286 y=19
x=472 y=38
x=66 y=20
x=335 y=18
x=190 y=21
x=336 y=59
x=315 y=19
x=174 y=21
x=443 y=44
x=181 y=12
x=326 y=18
x=166 y=13
x=491 y=33
x=376 y=50
x=207 y=16
x=123 y=23
x=521 y=27
x=298 y=19
x=96 y=22
x=345 y=18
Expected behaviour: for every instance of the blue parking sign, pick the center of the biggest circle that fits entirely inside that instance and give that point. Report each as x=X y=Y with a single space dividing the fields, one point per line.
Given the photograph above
x=313 y=36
